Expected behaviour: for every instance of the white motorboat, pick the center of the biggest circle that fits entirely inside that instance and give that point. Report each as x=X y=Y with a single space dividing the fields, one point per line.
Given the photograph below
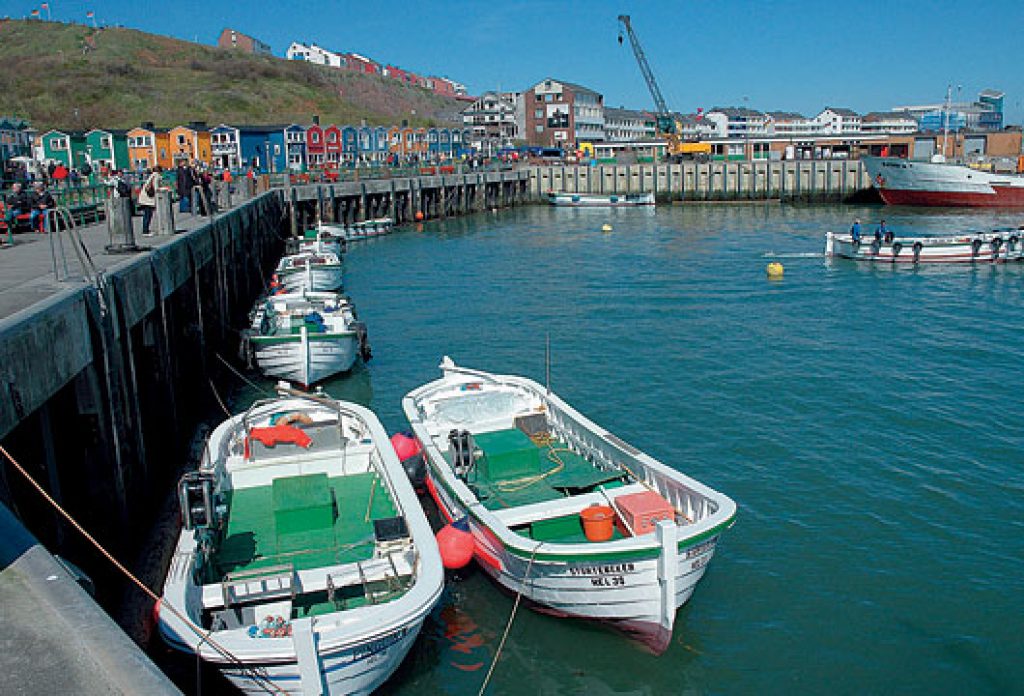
x=997 y=246
x=309 y=271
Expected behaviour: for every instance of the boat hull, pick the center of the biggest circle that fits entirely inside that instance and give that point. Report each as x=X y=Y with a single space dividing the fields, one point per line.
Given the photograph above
x=582 y=200
x=984 y=248
x=624 y=593
x=906 y=182
x=318 y=278
x=306 y=360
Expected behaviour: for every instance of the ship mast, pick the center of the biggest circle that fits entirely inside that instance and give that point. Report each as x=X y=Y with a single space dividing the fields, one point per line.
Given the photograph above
x=945 y=122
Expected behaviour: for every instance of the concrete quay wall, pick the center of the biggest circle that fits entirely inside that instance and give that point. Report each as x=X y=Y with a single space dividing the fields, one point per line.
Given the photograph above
x=797 y=180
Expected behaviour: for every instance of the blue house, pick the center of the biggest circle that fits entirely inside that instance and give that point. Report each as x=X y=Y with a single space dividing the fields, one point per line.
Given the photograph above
x=265 y=148
x=349 y=143
x=295 y=141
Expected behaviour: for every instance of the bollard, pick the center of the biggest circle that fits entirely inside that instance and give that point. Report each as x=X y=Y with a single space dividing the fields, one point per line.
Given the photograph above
x=163 y=216
x=119 y=226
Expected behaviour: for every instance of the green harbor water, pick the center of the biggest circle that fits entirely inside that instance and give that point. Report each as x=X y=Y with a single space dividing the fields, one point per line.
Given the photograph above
x=866 y=420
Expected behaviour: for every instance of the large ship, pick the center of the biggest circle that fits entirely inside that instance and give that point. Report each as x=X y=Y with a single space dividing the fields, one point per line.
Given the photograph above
x=908 y=182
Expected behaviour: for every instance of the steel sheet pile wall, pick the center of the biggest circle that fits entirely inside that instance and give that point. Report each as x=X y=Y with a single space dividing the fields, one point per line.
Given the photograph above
x=104 y=387
x=798 y=180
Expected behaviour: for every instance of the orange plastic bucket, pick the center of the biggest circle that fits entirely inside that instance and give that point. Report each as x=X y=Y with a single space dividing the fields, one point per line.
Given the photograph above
x=598 y=522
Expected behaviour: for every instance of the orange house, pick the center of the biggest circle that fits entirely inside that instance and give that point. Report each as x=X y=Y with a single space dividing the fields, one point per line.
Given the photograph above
x=148 y=147
x=395 y=140
x=191 y=142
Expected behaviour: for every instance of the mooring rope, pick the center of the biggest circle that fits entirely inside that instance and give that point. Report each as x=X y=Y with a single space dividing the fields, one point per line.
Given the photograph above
x=242 y=377
x=508 y=626
x=204 y=636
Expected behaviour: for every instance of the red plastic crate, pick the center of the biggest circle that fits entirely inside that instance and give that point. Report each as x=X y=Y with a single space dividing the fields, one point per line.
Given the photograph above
x=642 y=511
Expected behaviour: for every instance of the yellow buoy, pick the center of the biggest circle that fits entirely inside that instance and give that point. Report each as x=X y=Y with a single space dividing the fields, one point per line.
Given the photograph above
x=606 y=227
x=774 y=269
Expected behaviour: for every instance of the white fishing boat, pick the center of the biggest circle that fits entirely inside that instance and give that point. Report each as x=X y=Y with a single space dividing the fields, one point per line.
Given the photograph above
x=997 y=246
x=588 y=200
x=306 y=337
x=357 y=230
x=313 y=240
x=306 y=564
x=941 y=183
x=559 y=509
x=309 y=270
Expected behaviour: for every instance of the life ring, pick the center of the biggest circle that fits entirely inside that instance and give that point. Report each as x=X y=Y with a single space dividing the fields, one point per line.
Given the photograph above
x=897 y=247
x=996 y=243
x=976 y=246
x=880 y=181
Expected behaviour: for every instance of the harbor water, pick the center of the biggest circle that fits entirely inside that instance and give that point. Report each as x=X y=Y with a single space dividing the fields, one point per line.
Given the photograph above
x=867 y=421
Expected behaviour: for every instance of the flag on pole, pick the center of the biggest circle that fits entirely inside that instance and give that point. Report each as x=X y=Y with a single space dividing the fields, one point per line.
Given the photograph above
x=35 y=13
x=45 y=6
x=90 y=15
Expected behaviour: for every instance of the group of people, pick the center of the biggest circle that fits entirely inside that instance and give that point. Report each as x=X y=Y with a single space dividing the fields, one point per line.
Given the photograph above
x=20 y=202
x=882 y=233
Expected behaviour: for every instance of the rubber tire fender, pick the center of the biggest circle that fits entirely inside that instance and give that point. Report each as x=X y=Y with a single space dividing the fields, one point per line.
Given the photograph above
x=976 y=246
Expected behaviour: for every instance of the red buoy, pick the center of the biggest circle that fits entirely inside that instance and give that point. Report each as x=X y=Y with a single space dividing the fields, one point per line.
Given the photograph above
x=405 y=445
x=419 y=215
x=456 y=544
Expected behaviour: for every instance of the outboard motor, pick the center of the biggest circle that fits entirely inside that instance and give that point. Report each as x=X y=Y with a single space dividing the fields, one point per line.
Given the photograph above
x=195 y=493
x=461 y=445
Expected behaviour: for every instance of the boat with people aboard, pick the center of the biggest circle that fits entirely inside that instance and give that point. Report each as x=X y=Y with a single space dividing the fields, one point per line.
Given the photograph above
x=355 y=231
x=556 y=508
x=940 y=183
x=306 y=337
x=305 y=563
x=308 y=270
x=593 y=200
x=996 y=246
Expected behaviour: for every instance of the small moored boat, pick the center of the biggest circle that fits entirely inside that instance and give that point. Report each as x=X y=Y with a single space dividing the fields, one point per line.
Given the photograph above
x=309 y=270
x=306 y=564
x=559 y=509
x=306 y=337
x=997 y=246
x=356 y=230
x=585 y=200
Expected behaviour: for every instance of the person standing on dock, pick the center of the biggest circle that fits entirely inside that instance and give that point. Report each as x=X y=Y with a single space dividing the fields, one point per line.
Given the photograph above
x=855 y=230
x=147 y=198
x=185 y=182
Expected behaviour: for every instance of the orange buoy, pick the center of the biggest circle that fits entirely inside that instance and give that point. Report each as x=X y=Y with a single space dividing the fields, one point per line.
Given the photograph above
x=598 y=522
x=455 y=542
x=419 y=215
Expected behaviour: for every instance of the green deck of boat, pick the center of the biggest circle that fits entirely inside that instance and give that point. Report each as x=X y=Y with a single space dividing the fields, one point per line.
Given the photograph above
x=307 y=521
x=508 y=474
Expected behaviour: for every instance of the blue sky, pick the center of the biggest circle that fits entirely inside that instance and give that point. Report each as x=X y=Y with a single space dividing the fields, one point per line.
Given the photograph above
x=798 y=55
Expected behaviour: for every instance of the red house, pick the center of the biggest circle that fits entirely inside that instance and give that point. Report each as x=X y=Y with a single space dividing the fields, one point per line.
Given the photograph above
x=315 y=146
x=444 y=86
x=362 y=64
x=332 y=142
x=396 y=73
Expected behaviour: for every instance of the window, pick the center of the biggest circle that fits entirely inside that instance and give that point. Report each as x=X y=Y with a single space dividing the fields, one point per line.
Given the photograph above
x=539 y=128
x=58 y=143
x=105 y=142
x=539 y=113
x=315 y=137
x=548 y=98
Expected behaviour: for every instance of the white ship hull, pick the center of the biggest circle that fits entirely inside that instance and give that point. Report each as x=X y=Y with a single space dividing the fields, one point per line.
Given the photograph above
x=908 y=182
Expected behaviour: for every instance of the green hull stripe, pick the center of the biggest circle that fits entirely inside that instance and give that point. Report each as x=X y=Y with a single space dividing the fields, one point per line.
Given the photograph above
x=273 y=340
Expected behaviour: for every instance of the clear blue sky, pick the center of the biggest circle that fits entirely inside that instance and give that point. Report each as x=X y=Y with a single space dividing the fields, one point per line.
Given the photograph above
x=798 y=55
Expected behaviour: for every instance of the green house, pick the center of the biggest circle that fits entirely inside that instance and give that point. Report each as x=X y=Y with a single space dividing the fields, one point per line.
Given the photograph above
x=107 y=147
x=68 y=147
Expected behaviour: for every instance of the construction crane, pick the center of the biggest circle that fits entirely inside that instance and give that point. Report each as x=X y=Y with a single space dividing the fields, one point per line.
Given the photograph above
x=668 y=127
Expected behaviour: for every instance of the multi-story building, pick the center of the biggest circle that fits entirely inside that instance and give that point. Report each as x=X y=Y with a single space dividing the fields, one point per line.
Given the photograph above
x=887 y=122
x=107 y=148
x=563 y=114
x=985 y=114
x=738 y=123
x=230 y=38
x=628 y=125
x=492 y=122
x=191 y=142
x=838 y=121
x=315 y=54
x=362 y=64
x=791 y=124
x=148 y=146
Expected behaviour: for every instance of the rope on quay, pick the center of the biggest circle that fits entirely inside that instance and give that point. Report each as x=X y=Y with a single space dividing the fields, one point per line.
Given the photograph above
x=204 y=636
x=508 y=626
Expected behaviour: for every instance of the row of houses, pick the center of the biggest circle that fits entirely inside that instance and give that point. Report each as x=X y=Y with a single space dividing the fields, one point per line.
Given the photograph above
x=557 y=113
x=273 y=148
x=312 y=53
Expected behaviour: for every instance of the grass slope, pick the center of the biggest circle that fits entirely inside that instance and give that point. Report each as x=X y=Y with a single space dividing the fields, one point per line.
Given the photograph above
x=128 y=77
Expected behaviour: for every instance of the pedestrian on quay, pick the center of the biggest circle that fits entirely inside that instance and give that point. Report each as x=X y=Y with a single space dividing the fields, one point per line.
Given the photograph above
x=59 y=174
x=855 y=230
x=883 y=233
x=184 y=181
x=18 y=203
x=42 y=201
x=147 y=197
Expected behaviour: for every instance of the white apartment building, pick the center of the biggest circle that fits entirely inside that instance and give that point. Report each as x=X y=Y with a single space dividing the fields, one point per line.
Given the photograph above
x=314 y=54
x=627 y=125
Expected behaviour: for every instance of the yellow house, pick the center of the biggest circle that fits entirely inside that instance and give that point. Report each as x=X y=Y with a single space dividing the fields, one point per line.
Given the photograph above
x=190 y=142
x=148 y=147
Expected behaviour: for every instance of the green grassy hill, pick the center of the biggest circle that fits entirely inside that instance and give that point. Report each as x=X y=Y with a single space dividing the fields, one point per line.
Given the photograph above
x=75 y=77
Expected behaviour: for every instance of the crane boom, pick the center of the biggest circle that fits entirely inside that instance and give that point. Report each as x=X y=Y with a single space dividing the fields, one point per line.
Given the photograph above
x=666 y=124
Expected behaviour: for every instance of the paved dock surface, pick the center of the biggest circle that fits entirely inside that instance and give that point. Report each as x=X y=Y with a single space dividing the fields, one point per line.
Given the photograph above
x=27 y=269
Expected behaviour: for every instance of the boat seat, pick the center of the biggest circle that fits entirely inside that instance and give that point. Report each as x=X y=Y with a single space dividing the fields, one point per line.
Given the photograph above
x=302 y=504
